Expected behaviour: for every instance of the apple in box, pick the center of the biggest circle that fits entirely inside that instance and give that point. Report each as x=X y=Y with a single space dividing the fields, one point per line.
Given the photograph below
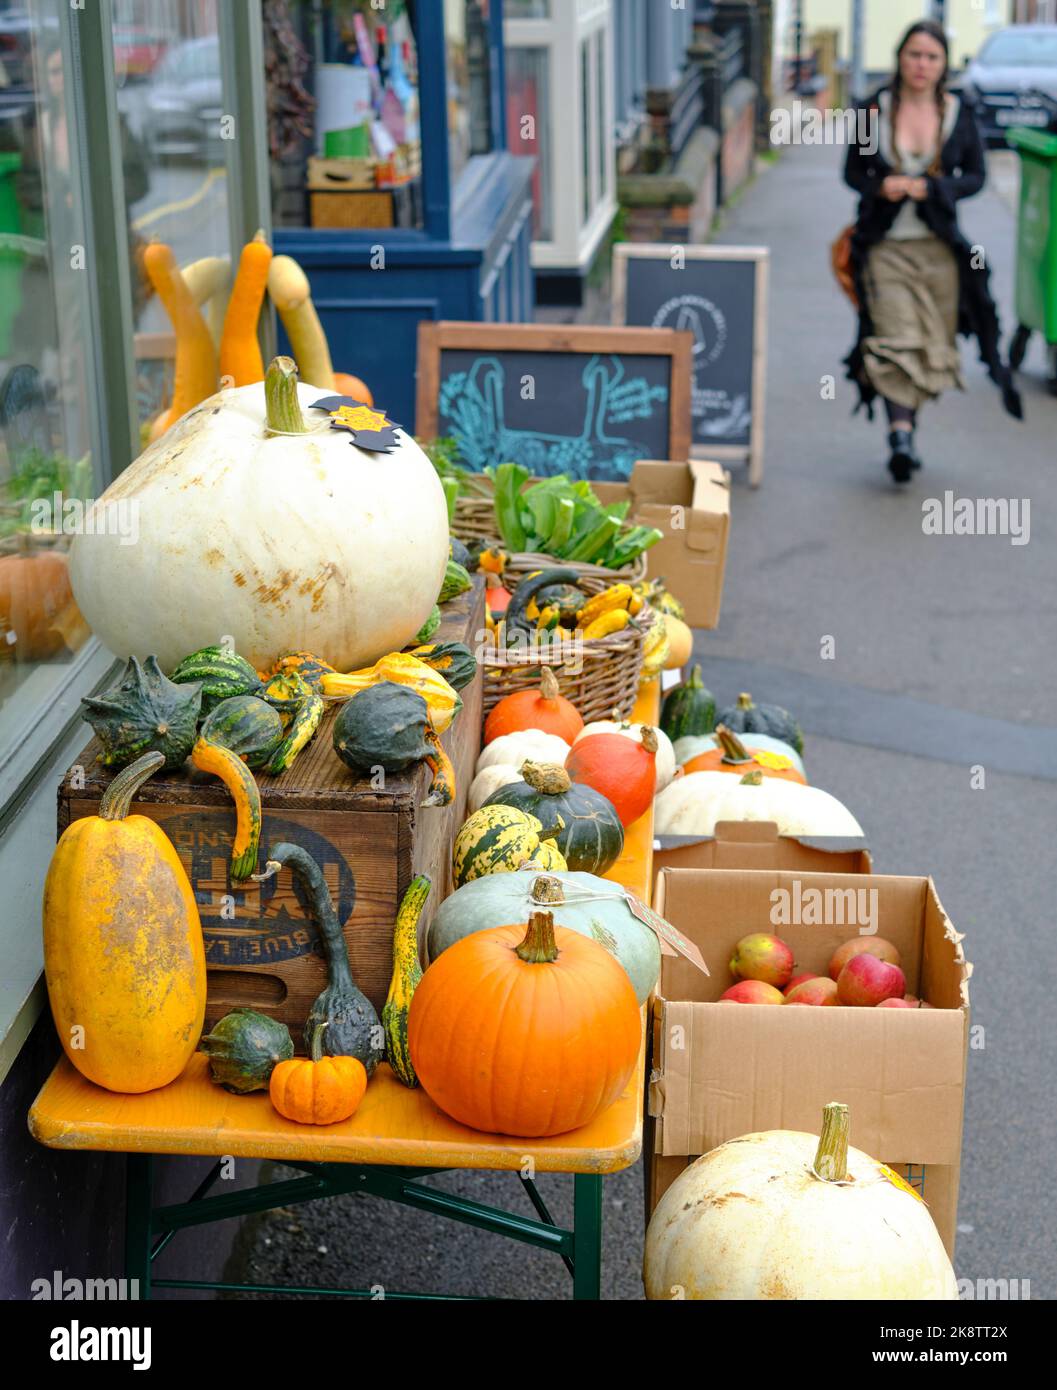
x=752 y=992
x=860 y=945
x=762 y=957
x=866 y=981
x=821 y=991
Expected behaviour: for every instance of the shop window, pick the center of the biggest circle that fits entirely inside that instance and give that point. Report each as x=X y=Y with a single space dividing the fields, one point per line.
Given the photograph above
x=529 y=127
x=585 y=131
x=467 y=50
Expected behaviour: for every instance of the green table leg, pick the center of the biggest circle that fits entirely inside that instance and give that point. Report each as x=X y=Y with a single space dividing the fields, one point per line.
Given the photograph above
x=587 y=1235
x=138 y=1199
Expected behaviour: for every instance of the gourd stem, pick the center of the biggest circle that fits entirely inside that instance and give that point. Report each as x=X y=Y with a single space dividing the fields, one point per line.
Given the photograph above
x=311 y=876
x=734 y=751
x=115 y=802
x=695 y=682
x=753 y=778
x=539 y=946
x=831 y=1156
x=548 y=684
x=548 y=778
x=744 y=701
x=280 y=397
x=648 y=736
x=316 y=1048
x=547 y=889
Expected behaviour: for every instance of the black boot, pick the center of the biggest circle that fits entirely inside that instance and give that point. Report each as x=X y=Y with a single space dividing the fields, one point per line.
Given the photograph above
x=904 y=459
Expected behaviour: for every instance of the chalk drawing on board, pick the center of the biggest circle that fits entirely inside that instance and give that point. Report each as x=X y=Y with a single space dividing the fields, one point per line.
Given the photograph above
x=472 y=406
x=717 y=413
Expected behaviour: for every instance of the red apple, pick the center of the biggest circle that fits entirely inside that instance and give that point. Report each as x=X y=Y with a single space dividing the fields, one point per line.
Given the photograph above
x=762 y=957
x=871 y=945
x=865 y=981
x=799 y=980
x=752 y=992
x=896 y=1004
x=818 y=990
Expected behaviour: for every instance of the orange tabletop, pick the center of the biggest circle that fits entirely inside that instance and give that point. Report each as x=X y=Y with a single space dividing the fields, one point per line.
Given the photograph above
x=394 y=1125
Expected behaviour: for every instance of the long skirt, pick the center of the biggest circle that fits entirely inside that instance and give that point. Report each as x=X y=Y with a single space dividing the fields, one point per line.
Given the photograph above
x=912 y=292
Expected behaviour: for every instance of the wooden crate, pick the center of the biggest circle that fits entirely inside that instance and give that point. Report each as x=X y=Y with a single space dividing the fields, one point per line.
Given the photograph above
x=261 y=948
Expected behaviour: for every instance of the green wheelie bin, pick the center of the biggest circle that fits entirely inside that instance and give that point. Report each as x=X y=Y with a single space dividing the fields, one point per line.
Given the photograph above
x=1036 y=245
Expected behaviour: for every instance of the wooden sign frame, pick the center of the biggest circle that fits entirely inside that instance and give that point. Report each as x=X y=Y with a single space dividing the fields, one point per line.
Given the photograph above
x=760 y=255
x=434 y=337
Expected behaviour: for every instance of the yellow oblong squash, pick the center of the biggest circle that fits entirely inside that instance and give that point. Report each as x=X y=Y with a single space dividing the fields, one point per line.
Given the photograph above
x=443 y=700
x=124 y=958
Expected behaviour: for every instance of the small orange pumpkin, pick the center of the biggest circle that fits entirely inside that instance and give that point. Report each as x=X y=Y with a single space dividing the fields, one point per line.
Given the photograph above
x=318 y=1090
x=545 y=708
x=522 y=1030
x=622 y=769
x=347 y=385
x=733 y=756
x=38 y=616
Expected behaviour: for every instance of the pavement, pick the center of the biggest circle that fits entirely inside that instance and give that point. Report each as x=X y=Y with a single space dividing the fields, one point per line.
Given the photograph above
x=944 y=661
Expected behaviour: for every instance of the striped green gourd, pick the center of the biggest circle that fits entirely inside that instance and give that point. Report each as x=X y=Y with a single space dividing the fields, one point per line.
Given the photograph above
x=456 y=582
x=407 y=971
x=222 y=674
x=495 y=839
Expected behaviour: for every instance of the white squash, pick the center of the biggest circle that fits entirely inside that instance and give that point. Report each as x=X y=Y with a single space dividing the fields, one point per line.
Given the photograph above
x=515 y=749
x=281 y=541
x=691 y=744
x=665 y=752
x=694 y=803
x=489 y=780
x=786 y=1215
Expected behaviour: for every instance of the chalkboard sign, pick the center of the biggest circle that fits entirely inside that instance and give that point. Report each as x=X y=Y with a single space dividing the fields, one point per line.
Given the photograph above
x=585 y=401
x=719 y=294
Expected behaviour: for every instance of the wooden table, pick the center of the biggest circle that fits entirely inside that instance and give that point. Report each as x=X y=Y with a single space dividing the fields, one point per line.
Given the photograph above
x=397 y=1137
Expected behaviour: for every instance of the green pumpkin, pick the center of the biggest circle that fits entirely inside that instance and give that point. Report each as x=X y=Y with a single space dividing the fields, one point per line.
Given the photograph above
x=244 y=1048
x=584 y=823
x=460 y=553
x=456 y=582
x=144 y=712
x=495 y=840
x=221 y=673
x=246 y=726
x=382 y=726
x=592 y=906
x=453 y=660
x=688 y=710
x=748 y=718
x=428 y=628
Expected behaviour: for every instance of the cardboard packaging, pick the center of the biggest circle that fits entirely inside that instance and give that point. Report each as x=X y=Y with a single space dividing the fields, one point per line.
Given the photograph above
x=692 y=557
x=722 y=1070
x=758 y=845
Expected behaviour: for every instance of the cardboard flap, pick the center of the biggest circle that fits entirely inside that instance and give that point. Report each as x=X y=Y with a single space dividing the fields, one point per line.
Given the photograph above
x=723 y=1070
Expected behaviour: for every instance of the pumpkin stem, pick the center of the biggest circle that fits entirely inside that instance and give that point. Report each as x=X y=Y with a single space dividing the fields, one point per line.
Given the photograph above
x=317 y=1041
x=115 y=802
x=280 y=397
x=695 y=682
x=548 y=778
x=547 y=889
x=549 y=684
x=734 y=751
x=648 y=736
x=744 y=701
x=539 y=946
x=753 y=778
x=831 y=1157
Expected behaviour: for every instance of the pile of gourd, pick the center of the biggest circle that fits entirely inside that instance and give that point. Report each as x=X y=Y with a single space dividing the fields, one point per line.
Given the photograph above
x=762 y=745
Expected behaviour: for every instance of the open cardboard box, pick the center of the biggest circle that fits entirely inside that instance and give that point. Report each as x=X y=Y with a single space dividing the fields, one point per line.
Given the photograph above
x=692 y=557
x=722 y=1070
x=758 y=845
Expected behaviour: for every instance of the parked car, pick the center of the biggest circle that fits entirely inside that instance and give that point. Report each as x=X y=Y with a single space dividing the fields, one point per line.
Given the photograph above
x=184 y=102
x=1013 y=80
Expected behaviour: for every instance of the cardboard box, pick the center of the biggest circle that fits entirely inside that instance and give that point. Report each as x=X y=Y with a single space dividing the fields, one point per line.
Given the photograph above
x=721 y=1070
x=692 y=557
x=758 y=845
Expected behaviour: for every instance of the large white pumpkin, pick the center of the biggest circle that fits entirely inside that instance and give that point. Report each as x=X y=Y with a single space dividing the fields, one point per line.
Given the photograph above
x=694 y=803
x=280 y=542
x=751 y=1220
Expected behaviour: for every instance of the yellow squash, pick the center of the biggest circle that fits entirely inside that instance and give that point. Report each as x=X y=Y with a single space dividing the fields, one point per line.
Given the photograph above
x=402 y=669
x=123 y=952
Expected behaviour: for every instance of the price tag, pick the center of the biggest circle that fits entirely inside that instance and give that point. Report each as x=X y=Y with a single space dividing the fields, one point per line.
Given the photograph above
x=666 y=933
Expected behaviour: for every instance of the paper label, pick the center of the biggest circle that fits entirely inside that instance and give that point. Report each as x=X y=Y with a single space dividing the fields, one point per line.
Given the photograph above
x=666 y=933
x=776 y=761
x=899 y=1182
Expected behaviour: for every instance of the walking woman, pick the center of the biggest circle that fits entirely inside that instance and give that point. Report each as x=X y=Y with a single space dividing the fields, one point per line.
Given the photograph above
x=917 y=279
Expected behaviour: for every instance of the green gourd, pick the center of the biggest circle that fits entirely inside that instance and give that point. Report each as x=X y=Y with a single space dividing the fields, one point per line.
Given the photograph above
x=452 y=660
x=407 y=971
x=496 y=840
x=144 y=712
x=351 y=1028
x=301 y=707
x=585 y=826
x=460 y=553
x=516 y=618
x=746 y=717
x=429 y=627
x=456 y=582
x=688 y=710
x=246 y=726
x=244 y=1047
x=221 y=673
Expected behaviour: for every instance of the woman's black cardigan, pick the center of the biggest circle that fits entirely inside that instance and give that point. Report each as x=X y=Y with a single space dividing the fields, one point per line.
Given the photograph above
x=962 y=161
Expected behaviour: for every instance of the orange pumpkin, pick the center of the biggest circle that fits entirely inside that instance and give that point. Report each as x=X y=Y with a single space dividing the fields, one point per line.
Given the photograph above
x=622 y=769
x=38 y=615
x=733 y=756
x=318 y=1090
x=545 y=708
x=522 y=1030
x=348 y=385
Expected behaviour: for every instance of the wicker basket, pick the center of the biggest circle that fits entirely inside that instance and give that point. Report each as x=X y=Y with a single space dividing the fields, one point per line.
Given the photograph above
x=475 y=521
x=598 y=676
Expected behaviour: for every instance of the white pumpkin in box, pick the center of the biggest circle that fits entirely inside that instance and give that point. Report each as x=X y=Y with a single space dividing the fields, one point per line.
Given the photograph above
x=266 y=525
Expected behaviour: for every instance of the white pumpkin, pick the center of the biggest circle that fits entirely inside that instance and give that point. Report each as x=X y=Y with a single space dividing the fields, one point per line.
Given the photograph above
x=517 y=748
x=665 y=752
x=752 y=1220
x=489 y=780
x=282 y=542
x=690 y=745
x=694 y=803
